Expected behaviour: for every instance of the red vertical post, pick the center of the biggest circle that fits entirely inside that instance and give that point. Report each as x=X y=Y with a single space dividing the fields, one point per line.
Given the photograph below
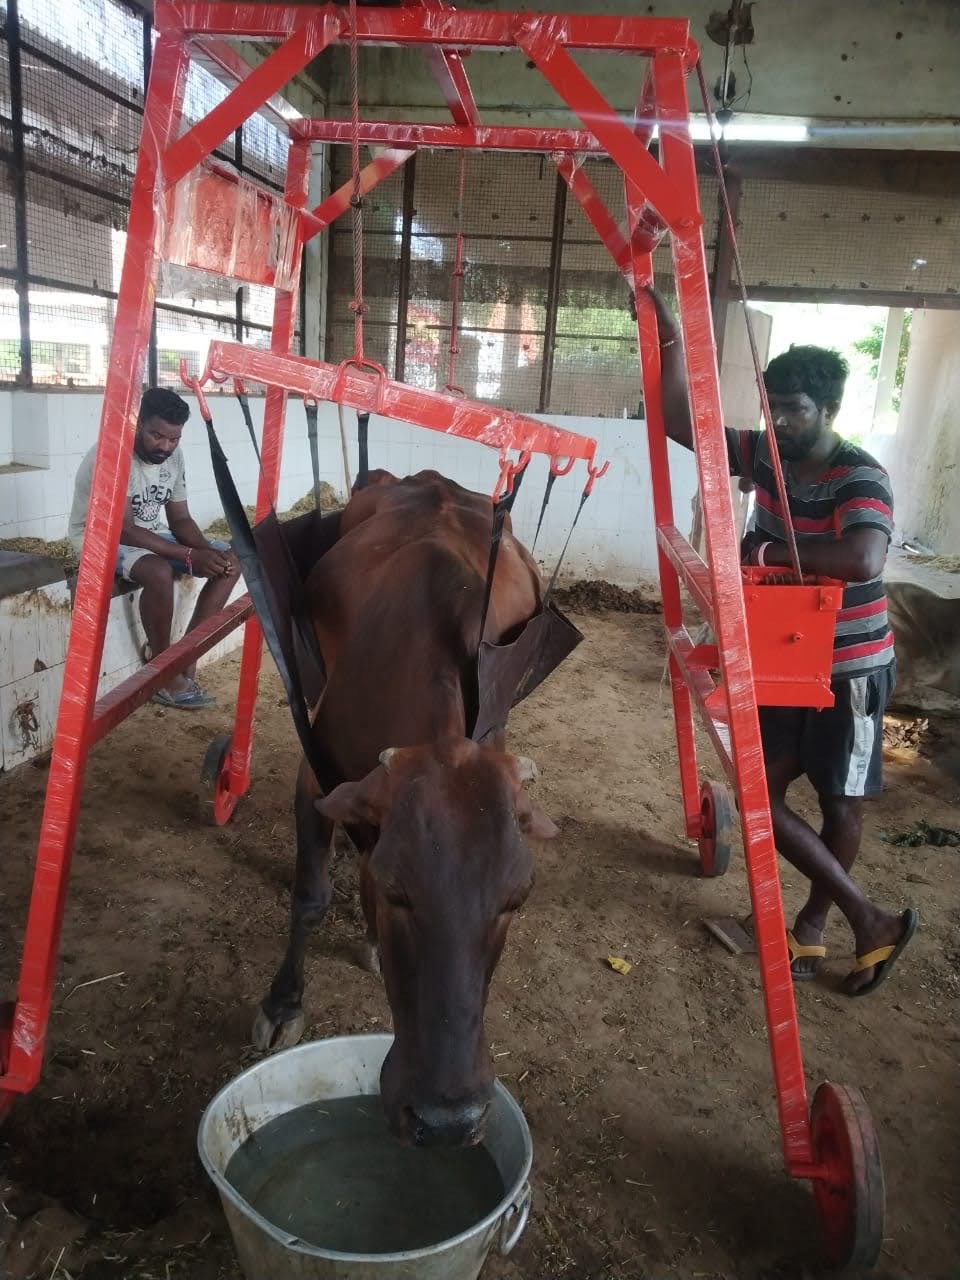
x=108 y=498
x=237 y=776
x=723 y=555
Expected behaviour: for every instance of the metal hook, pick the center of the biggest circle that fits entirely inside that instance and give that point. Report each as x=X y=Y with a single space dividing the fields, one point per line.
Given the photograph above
x=556 y=469
x=196 y=386
x=594 y=474
x=352 y=362
x=508 y=473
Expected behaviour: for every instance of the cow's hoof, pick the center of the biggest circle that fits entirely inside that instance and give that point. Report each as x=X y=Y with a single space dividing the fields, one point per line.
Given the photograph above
x=269 y=1034
x=370 y=959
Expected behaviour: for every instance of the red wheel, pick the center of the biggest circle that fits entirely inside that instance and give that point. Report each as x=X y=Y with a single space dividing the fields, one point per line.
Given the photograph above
x=716 y=828
x=215 y=772
x=849 y=1193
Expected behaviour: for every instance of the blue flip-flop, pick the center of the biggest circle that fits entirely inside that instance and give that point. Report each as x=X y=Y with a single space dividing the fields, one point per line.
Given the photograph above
x=192 y=699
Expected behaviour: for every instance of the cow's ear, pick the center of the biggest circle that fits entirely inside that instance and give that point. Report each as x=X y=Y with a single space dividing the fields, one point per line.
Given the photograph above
x=353 y=803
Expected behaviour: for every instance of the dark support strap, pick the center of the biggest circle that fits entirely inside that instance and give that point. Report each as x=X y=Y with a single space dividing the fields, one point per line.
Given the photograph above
x=363 y=472
x=500 y=512
x=259 y=589
x=244 y=404
x=551 y=477
x=556 y=569
x=310 y=408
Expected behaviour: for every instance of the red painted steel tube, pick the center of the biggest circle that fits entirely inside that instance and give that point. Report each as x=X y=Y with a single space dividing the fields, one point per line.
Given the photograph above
x=318 y=219
x=690 y=566
x=271 y=452
x=587 y=102
x=302 y=46
x=450 y=75
x=597 y=213
x=108 y=499
x=487 y=137
x=731 y=626
x=221 y=59
x=373 y=393
x=703 y=689
x=450 y=28
x=114 y=707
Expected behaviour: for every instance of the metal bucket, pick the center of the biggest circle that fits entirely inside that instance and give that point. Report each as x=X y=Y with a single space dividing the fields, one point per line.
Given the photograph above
x=339 y=1068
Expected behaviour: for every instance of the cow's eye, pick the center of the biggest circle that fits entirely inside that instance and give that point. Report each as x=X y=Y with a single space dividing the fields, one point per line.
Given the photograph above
x=398 y=899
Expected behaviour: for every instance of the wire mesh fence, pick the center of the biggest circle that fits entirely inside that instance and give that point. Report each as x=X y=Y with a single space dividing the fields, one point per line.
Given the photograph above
x=70 y=121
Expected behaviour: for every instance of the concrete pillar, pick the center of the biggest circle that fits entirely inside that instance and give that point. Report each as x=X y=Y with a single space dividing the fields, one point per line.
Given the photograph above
x=884 y=412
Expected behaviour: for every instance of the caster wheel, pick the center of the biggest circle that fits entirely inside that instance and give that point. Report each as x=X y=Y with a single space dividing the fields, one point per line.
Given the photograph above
x=716 y=828
x=215 y=772
x=849 y=1194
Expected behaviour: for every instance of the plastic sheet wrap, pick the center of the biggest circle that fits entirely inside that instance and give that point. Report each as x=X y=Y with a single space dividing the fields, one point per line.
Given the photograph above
x=219 y=222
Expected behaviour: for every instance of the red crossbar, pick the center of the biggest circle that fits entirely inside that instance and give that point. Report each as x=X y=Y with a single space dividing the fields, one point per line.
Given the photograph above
x=338 y=202
x=368 y=392
x=487 y=137
x=115 y=706
x=446 y=28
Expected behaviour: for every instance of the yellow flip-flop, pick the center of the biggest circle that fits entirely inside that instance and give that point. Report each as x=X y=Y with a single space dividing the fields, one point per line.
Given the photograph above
x=884 y=958
x=798 y=951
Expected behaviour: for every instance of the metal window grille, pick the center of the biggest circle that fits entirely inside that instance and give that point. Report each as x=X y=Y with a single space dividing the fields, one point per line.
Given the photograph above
x=69 y=128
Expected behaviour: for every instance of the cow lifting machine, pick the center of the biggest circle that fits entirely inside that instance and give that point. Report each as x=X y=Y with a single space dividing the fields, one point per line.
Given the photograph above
x=188 y=209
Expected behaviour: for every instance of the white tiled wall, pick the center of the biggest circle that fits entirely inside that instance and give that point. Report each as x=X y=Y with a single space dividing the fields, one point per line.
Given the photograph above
x=614 y=538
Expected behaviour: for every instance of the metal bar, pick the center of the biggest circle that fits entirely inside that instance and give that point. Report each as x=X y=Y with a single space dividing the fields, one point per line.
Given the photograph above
x=114 y=707
x=338 y=202
x=368 y=391
x=481 y=137
x=108 y=497
x=447 y=28
x=403 y=282
x=153 y=352
x=691 y=568
x=597 y=213
x=723 y=267
x=304 y=44
x=448 y=71
x=700 y=683
x=225 y=64
x=620 y=142
x=271 y=451
x=553 y=292
x=21 y=231
x=731 y=627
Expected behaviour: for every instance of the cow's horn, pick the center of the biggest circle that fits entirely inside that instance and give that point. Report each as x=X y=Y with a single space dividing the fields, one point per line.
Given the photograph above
x=528 y=769
x=387 y=757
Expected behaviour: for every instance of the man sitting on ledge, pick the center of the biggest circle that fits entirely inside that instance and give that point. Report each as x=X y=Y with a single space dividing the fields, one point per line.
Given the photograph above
x=151 y=552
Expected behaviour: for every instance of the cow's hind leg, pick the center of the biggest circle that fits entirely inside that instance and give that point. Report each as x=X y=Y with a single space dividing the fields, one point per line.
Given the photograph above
x=280 y=1020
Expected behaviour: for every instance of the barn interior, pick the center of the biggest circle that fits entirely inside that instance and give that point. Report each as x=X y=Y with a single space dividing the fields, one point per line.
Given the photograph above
x=647 y=1091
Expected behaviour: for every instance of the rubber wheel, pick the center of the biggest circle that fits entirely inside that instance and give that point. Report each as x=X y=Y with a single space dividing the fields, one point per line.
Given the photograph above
x=849 y=1194
x=716 y=829
x=215 y=759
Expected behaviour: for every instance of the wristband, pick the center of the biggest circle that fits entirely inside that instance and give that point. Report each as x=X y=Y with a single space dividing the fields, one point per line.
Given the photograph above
x=762 y=554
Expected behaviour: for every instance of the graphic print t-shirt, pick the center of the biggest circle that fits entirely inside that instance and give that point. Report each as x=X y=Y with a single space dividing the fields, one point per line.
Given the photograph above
x=150 y=487
x=853 y=492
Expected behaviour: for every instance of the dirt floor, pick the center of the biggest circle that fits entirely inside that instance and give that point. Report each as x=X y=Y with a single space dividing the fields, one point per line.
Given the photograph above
x=649 y=1096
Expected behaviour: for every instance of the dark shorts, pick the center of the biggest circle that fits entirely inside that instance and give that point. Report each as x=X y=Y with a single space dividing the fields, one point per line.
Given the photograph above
x=840 y=749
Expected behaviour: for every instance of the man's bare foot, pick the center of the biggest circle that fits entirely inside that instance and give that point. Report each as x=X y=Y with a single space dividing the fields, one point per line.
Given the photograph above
x=808 y=933
x=883 y=930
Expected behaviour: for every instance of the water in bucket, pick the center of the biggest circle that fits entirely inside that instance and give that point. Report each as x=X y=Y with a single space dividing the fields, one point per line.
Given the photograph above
x=331 y=1174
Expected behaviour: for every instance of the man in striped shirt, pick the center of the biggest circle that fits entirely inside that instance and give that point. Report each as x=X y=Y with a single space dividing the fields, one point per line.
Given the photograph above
x=841 y=507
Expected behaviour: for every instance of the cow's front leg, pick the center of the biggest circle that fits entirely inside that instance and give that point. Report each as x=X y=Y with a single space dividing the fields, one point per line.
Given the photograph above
x=280 y=1020
x=370 y=952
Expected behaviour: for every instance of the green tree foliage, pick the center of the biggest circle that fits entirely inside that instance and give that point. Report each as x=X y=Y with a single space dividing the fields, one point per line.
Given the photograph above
x=870 y=347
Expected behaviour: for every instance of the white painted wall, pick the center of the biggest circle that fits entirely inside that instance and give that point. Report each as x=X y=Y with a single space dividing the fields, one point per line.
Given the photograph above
x=614 y=539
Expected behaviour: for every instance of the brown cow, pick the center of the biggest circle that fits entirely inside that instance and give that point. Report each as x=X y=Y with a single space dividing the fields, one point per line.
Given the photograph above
x=396 y=604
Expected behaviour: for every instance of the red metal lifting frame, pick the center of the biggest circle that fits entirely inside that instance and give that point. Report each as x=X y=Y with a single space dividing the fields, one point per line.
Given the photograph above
x=661 y=195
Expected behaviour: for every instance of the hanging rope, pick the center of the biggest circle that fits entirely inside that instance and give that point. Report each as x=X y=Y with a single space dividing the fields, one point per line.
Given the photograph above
x=357 y=304
x=456 y=283
x=788 y=529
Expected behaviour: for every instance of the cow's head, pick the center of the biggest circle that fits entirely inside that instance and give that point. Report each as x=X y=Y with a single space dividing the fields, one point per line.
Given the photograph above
x=449 y=870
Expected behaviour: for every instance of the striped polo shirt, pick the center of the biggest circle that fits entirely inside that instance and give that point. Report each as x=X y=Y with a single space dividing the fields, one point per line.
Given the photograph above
x=853 y=492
